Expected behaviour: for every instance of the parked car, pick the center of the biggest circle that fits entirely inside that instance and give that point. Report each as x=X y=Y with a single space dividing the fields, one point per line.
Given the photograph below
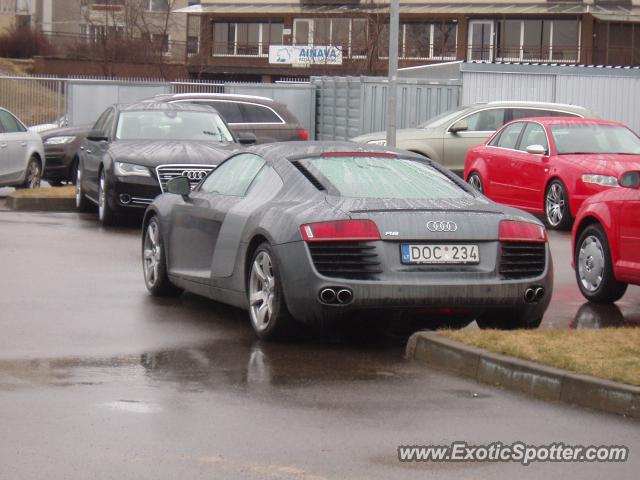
x=21 y=153
x=268 y=120
x=43 y=127
x=448 y=137
x=551 y=165
x=61 y=149
x=133 y=150
x=606 y=241
x=320 y=231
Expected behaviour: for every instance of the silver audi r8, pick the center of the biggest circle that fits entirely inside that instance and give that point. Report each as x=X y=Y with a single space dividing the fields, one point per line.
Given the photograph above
x=319 y=232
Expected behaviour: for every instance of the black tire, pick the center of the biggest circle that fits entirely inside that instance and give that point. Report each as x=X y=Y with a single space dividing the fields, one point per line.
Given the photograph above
x=594 y=268
x=508 y=320
x=33 y=174
x=106 y=215
x=82 y=204
x=268 y=312
x=154 y=263
x=475 y=180
x=557 y=213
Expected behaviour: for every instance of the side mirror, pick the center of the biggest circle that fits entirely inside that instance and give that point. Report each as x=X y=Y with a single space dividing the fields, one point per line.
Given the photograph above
x=179 y=186
x=97 y=136
x=536 y=150
x=630 y=180
x=247 y=138
x=459 y=126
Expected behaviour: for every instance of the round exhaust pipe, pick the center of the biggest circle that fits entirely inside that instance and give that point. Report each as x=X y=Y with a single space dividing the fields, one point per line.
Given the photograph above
x=539 y=293
x=344 y=296
x=529 y=295
x=327 y=295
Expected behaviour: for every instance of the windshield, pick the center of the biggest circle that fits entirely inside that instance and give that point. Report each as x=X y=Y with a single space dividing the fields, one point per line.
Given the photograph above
x=172 y=125
x=383 y=177
x=444 y=117
x=594 y=138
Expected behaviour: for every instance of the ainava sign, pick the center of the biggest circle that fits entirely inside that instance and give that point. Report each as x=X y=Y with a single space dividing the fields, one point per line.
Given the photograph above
x=302 y=55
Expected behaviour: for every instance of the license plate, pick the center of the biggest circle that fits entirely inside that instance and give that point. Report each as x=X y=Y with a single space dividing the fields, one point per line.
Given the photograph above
x=439 y=254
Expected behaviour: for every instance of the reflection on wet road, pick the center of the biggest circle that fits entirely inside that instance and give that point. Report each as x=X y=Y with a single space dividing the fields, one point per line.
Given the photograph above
x=98 y=379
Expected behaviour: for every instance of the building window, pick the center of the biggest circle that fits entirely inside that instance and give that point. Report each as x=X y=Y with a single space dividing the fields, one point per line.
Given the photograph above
x=421 y=41
x=193 y=34
x=617 y=43
x=101 y=32
x=538 y=40
x=245 y=38
x=157 y=5
x=348 y=33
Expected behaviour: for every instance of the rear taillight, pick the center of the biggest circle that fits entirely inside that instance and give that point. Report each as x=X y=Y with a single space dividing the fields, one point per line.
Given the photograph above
x=340 y=230
x=303 y=134
x=514 y=231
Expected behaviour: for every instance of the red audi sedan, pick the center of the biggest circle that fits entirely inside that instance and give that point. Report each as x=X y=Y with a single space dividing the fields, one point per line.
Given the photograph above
x=606 y=241
x=551 y=165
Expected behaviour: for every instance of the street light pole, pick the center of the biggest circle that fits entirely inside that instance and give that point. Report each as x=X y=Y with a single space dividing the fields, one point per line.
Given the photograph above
x=392 y=89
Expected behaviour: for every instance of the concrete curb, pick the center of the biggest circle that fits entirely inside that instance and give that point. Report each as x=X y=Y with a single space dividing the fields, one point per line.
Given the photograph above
x=42 y=204
x=540 y=381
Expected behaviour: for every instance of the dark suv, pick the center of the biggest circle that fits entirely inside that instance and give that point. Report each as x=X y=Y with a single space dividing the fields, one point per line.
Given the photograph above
x=268 y=120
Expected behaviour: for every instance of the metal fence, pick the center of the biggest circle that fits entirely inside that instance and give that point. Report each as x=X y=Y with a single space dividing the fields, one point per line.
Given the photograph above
x=351 y=106
x=35 y=100
x=612 y=93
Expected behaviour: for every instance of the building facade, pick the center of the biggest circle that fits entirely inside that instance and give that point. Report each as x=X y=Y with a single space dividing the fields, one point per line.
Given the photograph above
x=16 y=14
x=227 y=39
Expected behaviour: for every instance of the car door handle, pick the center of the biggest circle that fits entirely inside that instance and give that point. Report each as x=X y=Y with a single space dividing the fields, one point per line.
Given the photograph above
x=3 y=144
x=87 y=150
x=23 y=144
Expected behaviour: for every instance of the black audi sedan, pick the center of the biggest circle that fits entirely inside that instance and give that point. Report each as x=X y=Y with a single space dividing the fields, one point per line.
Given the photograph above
x=133 y=150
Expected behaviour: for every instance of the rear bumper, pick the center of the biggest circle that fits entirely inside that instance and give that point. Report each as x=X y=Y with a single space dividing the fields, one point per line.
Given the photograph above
x=473 y=293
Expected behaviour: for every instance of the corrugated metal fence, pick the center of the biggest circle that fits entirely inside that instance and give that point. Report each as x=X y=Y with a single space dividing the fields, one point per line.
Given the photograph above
x=350 y=106
x=79 y=101
x=339 y=108
x=612 y=93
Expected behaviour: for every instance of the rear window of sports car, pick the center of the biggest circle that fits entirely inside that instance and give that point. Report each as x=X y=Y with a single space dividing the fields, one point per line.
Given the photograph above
x=382 y=177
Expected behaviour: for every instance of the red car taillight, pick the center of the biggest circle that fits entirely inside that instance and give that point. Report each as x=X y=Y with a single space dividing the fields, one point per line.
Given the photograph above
x=340 y=230
x=303 y=134
x=514 y=231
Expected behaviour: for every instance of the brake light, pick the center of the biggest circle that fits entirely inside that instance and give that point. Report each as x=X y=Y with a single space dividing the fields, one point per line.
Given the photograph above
x=514 y=231
x=340 y=230
x=303 y=134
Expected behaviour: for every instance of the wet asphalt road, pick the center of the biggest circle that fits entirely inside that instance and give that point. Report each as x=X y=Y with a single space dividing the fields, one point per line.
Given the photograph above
x=98 y=379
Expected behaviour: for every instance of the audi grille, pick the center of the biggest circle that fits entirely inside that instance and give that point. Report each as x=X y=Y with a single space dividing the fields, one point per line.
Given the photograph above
x=194 y=173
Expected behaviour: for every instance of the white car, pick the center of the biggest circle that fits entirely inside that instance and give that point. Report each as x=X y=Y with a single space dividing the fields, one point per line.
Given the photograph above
x=21 y=153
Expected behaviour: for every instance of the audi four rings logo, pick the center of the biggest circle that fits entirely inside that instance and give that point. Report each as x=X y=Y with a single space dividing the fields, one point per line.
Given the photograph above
x=442 y=226
x=194 y=174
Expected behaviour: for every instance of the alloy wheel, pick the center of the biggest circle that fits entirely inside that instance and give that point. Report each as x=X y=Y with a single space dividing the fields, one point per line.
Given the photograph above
x=475 y=181
x=78 y=187
x=555 y=205
x=152 y=254
x=101 y=197
x=591 y=263
x=33 y=175
x=261 y=291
